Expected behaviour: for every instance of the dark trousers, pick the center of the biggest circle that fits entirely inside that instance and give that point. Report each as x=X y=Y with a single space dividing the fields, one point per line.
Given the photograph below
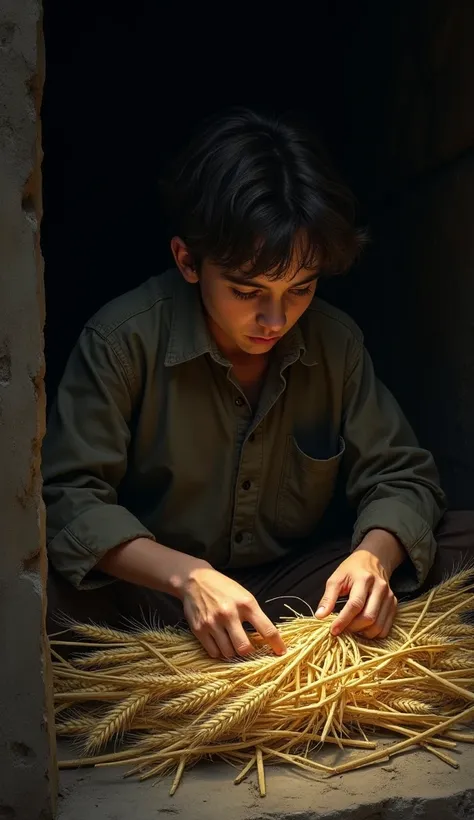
x=303 y=576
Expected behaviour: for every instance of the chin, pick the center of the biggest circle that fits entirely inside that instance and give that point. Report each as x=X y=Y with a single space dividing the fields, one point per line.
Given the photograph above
x=246 y=346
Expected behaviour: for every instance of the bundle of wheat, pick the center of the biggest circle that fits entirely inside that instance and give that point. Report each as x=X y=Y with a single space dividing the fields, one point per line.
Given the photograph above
x=172 y=705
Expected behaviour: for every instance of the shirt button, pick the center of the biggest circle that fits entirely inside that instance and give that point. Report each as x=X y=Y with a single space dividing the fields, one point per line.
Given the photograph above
x=246 y=485
x=239 y=538
x=239 y=401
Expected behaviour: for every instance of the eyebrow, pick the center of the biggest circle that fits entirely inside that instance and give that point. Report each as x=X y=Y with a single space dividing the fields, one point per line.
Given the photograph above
x=240 y=279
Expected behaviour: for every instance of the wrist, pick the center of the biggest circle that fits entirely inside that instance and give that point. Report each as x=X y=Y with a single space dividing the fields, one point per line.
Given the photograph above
x=148 y=563
x=384 y=546
x=184 y=574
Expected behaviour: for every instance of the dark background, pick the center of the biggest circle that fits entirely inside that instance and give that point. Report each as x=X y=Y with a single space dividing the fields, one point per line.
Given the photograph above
x=389 y=86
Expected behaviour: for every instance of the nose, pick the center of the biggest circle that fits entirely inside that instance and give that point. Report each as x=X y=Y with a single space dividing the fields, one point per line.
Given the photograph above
x=272 y=317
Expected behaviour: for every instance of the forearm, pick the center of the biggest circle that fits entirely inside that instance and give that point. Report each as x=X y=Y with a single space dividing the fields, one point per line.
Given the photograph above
x=384 y=546
x=392 y=482
x=146 y=563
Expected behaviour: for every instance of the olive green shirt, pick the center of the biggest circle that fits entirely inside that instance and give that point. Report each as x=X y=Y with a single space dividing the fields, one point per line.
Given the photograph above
x=150 y=435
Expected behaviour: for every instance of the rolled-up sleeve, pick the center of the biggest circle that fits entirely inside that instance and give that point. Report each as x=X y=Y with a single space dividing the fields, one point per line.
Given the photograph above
x=84 y=460
x=391 y=480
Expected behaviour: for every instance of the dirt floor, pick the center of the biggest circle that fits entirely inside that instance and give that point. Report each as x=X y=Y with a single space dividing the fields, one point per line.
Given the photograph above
x=413 y=785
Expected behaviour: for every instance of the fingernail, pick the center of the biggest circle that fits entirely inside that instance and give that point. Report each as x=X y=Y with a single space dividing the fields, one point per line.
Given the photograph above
x=335 y=631
x=320 y=610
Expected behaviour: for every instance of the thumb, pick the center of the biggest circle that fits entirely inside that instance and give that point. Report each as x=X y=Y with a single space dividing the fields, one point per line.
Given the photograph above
x=328 y=601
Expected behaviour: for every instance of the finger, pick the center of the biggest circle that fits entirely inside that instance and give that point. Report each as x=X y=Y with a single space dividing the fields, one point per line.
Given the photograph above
x=376 y=628
x=239 y=638
x=208 y=643
x=267 y=629
x=390 y=619
x=379 y=593
x=331 y=594
x=201 y=631
x=220 y=636
x=355 y=605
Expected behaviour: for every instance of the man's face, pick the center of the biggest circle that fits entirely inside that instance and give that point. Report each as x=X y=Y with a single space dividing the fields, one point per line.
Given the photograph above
x=251 y=315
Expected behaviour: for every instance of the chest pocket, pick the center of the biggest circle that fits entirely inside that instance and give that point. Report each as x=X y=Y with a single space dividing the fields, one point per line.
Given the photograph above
x=306 y=488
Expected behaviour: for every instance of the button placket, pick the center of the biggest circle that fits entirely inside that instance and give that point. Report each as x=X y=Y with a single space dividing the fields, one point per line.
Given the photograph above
x=274 y=387
x=249 y=471
x=246 y=494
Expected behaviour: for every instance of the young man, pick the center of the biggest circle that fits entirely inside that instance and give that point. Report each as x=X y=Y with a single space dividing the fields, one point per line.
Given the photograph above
x=204 y=419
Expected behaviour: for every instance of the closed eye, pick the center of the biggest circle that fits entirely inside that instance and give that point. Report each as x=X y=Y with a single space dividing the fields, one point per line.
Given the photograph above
x=239 y=294
x=300 y=291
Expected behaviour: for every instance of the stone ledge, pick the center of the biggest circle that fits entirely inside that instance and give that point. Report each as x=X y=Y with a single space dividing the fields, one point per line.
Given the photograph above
x=415 y=785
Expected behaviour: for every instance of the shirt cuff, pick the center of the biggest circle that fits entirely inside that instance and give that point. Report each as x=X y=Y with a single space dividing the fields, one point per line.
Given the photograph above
x=77 y=548
x=411 y=529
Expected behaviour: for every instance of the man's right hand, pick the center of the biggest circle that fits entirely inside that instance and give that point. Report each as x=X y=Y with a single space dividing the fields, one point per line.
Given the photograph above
x=215 y=607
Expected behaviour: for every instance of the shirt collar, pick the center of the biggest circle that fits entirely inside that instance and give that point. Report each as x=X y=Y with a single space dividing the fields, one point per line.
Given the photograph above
x=190 y=338
x=293 y=347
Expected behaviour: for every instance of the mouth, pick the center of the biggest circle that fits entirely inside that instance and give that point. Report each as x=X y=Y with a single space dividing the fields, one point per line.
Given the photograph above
x=263 y=340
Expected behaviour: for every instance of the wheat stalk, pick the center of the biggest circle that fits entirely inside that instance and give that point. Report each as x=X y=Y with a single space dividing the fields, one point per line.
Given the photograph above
x=118 y=720
x=176 y=705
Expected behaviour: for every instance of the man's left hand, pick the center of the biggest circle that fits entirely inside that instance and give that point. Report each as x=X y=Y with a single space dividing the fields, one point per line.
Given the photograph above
x=364 y=576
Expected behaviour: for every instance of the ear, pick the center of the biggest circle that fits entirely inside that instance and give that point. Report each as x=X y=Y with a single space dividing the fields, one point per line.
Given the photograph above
x=184 y=260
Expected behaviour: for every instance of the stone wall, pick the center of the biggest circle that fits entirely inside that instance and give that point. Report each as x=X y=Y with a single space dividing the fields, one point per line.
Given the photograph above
x=27 y=765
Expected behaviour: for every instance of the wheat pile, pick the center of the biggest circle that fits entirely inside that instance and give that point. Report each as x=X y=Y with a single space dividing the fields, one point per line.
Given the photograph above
x=170 y=705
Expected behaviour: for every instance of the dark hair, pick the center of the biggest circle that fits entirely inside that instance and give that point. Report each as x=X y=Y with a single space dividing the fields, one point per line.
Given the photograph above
x=250 y=187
